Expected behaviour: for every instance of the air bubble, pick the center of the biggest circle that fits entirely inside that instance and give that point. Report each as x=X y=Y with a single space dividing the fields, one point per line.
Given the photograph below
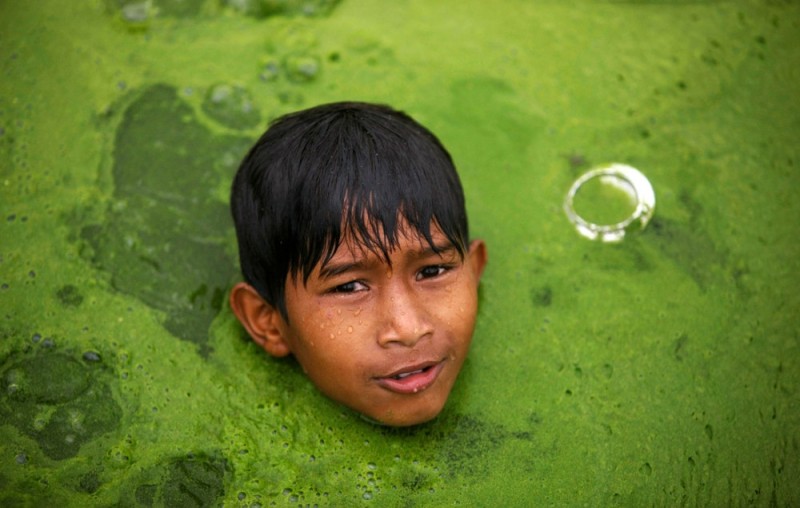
x=270 y=71
x=91 y=356
x=136 y=13
x=231 y=106
x=302 y=68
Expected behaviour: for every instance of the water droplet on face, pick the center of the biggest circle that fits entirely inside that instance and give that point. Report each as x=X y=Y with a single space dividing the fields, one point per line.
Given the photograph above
x=333 y=336
x=349 y=329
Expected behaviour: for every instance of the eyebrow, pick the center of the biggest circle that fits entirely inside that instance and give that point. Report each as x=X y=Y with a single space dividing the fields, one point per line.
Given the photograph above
x=439 y=250
x=333 y=269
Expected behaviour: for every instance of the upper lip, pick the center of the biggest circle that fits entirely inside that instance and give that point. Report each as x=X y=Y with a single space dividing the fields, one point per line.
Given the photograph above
x=411 y=368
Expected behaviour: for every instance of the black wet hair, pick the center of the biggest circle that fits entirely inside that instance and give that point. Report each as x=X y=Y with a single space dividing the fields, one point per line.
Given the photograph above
x=346 y=171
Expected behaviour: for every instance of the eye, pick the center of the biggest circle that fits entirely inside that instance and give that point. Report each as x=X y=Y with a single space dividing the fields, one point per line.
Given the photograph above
x=432 y=271
x=349 y=287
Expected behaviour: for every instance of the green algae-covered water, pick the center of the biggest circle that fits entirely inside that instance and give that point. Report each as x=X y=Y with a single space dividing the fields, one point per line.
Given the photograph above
x=663 y=370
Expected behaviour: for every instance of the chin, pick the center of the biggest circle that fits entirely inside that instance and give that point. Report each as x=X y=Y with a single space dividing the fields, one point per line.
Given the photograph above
x=405 y=417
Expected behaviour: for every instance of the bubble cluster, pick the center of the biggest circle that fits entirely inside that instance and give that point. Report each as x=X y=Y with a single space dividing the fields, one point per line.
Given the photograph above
x=268 y=8
x=137 y=14
x=231 y=106
x=302 y=68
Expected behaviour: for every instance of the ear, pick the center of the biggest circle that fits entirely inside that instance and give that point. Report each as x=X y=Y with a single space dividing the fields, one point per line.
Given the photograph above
x=262 y=321
x=478 y=257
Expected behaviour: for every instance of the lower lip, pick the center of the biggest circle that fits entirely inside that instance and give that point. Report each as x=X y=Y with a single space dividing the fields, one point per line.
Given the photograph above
x=414 y=383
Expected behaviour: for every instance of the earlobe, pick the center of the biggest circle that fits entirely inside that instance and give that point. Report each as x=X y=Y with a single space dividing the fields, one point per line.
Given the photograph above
x=262 y=321
x=478 y=257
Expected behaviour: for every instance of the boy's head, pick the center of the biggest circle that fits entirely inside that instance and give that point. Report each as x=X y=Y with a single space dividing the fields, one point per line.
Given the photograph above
x=354 y=247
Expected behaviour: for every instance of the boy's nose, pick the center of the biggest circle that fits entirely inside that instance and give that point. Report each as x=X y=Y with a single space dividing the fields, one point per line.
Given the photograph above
x=406 y=320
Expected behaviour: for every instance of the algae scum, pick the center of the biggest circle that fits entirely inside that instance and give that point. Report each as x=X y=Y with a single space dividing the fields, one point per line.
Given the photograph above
x=659 y=371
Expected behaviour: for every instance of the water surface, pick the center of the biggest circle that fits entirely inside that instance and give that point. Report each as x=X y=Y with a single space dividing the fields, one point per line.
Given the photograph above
x=659 y=371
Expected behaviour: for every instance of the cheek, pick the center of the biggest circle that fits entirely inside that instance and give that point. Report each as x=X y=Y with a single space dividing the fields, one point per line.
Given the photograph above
x=321 y=323
x=343 y=325
x=457 y=310
x=328 y=334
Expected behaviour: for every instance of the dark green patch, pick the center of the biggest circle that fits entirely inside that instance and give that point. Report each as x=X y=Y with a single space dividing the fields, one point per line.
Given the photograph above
x=69 y=296
x=460 y=440
x=542 y=297
x=164 y=236
x=187 y=481
x=146 y=494
x=691 y=250
x=680 y=347
x=58 y=402
x=469 y=440
x=45 y=379
x=194 y=482
x=693 y=206
x=89 y=482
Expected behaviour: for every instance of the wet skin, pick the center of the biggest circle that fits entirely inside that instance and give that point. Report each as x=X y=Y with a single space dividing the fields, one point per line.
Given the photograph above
x=387 y=340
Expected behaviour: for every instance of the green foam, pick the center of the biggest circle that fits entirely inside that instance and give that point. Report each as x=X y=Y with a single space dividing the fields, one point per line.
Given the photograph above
x=659 y=371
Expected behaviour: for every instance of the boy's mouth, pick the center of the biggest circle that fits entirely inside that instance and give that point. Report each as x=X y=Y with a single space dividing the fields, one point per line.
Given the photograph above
x=412 y=379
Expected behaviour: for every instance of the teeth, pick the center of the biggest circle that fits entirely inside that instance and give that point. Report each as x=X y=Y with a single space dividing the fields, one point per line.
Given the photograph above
x=406 y=374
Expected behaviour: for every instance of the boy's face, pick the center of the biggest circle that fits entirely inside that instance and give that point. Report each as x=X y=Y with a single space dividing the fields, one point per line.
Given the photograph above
x=386 y=341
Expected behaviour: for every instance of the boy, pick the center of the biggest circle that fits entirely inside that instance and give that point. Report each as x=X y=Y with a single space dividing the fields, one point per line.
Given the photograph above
x=353 y=244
